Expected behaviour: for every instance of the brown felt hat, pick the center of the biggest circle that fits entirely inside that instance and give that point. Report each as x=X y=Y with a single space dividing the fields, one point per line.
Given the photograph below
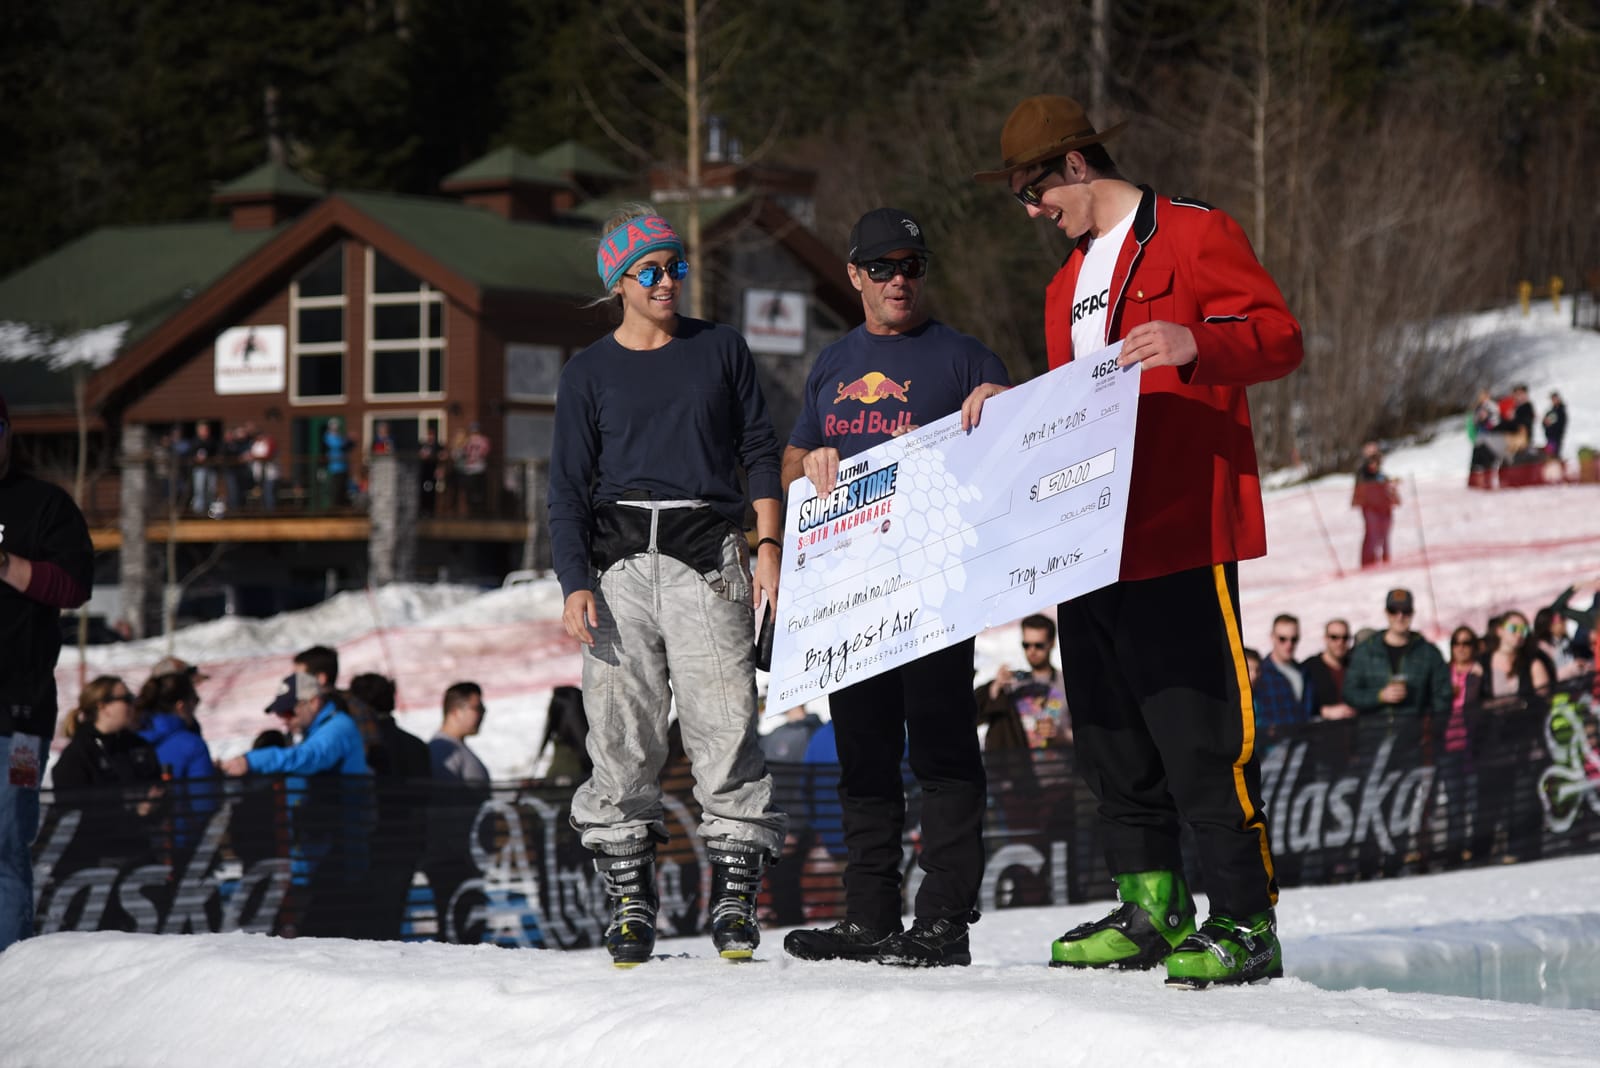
x=1041 y=128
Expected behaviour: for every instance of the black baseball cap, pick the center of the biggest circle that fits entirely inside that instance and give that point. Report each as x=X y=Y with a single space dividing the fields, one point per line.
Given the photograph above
x=291 y=691
x=1399 y=602
x=884 y=230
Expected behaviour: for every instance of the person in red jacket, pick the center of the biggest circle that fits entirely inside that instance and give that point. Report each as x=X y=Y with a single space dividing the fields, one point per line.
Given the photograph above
x=1166 y=734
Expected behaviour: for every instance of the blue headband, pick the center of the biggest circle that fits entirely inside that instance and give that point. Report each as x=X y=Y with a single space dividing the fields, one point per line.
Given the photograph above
x=622 y=247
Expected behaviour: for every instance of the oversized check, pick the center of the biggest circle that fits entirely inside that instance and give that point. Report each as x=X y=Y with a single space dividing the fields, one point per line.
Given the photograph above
x=935 y=535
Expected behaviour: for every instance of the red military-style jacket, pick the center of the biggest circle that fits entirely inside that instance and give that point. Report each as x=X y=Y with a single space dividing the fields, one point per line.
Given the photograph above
x=1195 y=498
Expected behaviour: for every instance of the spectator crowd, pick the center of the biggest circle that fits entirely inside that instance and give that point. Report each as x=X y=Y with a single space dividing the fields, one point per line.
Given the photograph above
x=244 y=469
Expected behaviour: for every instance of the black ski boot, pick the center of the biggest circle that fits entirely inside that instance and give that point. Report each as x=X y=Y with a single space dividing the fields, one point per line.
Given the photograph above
x=631 y=892
x=735 y=882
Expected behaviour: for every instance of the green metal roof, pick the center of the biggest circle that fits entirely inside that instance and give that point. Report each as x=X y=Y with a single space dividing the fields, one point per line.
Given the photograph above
x=675 y=212
x=270 y=178
x=487 y=249
x=507 y=164
x=570 y=157
x=133 y=274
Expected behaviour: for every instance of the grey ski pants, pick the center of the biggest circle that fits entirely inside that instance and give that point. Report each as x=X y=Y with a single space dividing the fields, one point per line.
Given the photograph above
x=661 y=625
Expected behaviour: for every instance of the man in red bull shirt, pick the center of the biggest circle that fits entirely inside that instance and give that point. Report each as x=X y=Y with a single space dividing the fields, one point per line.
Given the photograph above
x=1154 y=667
x=896 y=371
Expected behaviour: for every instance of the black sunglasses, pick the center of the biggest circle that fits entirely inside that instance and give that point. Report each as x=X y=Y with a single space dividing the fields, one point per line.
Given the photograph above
x=1464 y=641
x=1036 y=645
x=1338 y=637
x=883 y=270
x=1030 y=195
x=650 y=274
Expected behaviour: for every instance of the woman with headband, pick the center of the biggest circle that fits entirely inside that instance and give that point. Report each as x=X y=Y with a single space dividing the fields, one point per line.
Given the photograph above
x=653 y=422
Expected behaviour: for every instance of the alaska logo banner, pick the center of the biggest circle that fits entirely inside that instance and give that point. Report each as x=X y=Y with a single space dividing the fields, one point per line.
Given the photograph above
x=417 y=860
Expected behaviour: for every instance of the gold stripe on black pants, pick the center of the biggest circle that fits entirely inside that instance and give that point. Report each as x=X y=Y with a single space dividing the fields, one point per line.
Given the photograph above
x=1163 y=724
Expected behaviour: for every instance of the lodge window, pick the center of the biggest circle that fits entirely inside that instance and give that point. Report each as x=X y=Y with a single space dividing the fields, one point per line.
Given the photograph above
x=405 y=332
x=316 y=316
x=532 y=372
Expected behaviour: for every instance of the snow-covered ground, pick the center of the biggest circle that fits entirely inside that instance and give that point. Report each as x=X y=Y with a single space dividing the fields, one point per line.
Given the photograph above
x=1521 y=933
x=72 y=1000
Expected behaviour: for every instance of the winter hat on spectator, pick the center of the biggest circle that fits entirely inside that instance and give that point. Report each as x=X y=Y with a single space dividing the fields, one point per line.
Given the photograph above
x=171 y=665
x=291 y=691
x=1399 y=602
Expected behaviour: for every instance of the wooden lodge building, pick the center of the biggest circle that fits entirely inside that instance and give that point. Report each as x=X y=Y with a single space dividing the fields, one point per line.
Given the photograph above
x=404 y=318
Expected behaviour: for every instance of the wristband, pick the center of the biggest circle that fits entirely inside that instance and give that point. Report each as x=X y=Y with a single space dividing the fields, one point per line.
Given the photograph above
x=769 y=541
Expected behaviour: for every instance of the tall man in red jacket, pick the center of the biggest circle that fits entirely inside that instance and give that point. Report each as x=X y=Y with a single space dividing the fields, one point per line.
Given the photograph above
x=1154 y=661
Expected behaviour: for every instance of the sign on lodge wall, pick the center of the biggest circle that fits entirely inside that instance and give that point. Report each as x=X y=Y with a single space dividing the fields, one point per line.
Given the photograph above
x=1357 y=799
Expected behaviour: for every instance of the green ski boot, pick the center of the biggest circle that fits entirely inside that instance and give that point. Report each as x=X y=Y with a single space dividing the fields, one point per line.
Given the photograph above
x=1225 y=952
x=1155 y=915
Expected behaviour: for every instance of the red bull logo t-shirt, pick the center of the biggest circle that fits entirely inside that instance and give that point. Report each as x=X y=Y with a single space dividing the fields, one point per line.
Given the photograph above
x=866 y=388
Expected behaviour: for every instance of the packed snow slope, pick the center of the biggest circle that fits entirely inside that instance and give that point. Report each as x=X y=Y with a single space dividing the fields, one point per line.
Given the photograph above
x=116 y=999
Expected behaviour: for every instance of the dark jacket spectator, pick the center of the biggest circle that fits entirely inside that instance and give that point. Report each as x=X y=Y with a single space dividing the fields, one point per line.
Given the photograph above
x=46 y=564
x=1555 y=425
x=566 y=734
x=397 y=754
x=1374 y=663
x=787 y=742
x=121 y=807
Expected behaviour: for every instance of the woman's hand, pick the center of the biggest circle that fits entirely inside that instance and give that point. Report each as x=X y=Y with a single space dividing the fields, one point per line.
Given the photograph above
x=578 y=615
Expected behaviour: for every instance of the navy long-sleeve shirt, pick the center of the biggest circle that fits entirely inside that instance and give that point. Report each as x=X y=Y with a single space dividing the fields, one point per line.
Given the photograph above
x=673 y=423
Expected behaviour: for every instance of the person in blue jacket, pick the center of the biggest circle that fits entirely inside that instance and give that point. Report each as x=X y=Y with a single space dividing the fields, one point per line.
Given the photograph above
x=331 y=741
x=328 y=857
x=167 y=704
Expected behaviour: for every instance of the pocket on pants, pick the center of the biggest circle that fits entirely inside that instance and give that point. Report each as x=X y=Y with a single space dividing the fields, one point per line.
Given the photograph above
x=733 y=583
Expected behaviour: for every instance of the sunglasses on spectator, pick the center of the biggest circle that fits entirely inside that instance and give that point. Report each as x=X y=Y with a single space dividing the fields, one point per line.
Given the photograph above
x=1338 y=637
x=883 y=270
x=123 y=696
x=1463 y=641
x=1036 y=645
x=1030 y=195
x=1288 y=639
x=651 y=274
x=1516 y=628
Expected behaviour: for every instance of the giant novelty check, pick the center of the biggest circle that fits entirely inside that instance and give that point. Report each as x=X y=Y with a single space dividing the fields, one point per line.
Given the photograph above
x=931 y=537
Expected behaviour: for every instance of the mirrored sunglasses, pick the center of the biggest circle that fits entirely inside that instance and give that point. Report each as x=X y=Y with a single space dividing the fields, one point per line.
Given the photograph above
x=650 y=275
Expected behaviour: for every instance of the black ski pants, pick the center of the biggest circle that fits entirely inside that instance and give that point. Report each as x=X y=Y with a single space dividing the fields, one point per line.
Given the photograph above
x=1164 y=727
x=927 y=704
